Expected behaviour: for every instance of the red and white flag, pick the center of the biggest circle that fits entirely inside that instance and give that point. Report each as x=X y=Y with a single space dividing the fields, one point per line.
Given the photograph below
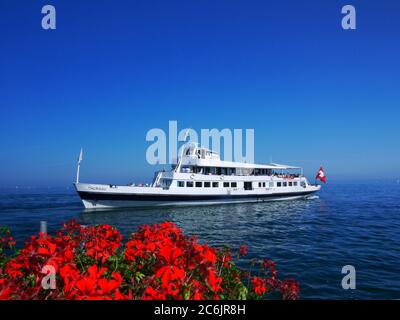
x=321 y=175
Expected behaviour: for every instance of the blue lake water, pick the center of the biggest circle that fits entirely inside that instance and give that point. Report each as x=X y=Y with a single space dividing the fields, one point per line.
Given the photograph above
x=311 y=240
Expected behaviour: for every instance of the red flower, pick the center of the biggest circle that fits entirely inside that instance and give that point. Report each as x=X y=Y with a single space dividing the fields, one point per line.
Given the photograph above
x=100 y=241
x=152 y=294
x=209 y=255
x=92 y=284
x=243 y=250
x=214 y=281
x=290 y=289
x=107 y=286
x=259 y=287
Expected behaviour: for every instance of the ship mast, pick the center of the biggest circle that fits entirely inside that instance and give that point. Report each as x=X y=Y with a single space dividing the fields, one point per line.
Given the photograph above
x=80 y=158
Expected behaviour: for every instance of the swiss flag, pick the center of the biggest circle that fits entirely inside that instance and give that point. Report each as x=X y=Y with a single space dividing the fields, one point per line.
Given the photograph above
x=321 y=175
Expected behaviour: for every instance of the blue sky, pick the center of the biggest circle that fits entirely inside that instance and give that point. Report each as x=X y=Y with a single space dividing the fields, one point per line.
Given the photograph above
x=112 y=70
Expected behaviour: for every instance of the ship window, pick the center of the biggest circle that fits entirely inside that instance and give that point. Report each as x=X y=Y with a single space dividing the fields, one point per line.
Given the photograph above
x=165 y=183
x=226 y=184
x=215 y=184
x=233 y=185
x=181 y=184
x=259 y=184
x=189 y=184
x=248 y=185
x=271 y=184
x=290 y=184
x=207 y=184
x=279 y=184
x=263 y=184
x=295 y=183
x=285 y=184
x=199 y=184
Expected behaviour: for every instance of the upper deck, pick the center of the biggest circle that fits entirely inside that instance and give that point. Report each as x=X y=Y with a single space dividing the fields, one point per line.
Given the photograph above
x=193 y=155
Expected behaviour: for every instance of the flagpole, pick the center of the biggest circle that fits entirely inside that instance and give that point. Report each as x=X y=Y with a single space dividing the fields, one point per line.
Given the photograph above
x=79 y=166
x=77 y=173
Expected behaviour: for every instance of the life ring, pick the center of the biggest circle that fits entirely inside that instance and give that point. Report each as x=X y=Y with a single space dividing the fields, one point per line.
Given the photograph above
x=222 y=177
x=192 y=176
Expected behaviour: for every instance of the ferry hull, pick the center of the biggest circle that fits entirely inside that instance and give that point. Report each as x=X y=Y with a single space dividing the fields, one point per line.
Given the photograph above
x=92 y=200
x=104 y=204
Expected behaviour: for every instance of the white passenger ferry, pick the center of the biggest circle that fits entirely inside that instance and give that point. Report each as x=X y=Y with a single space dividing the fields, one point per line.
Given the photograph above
x=201 y=177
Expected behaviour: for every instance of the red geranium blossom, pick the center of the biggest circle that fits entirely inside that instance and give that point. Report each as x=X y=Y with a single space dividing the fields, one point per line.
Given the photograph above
x=243 y=250
x=259 y=286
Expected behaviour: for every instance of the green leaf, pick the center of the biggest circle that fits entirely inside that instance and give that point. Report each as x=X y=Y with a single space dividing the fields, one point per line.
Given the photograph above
x=243 y=293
